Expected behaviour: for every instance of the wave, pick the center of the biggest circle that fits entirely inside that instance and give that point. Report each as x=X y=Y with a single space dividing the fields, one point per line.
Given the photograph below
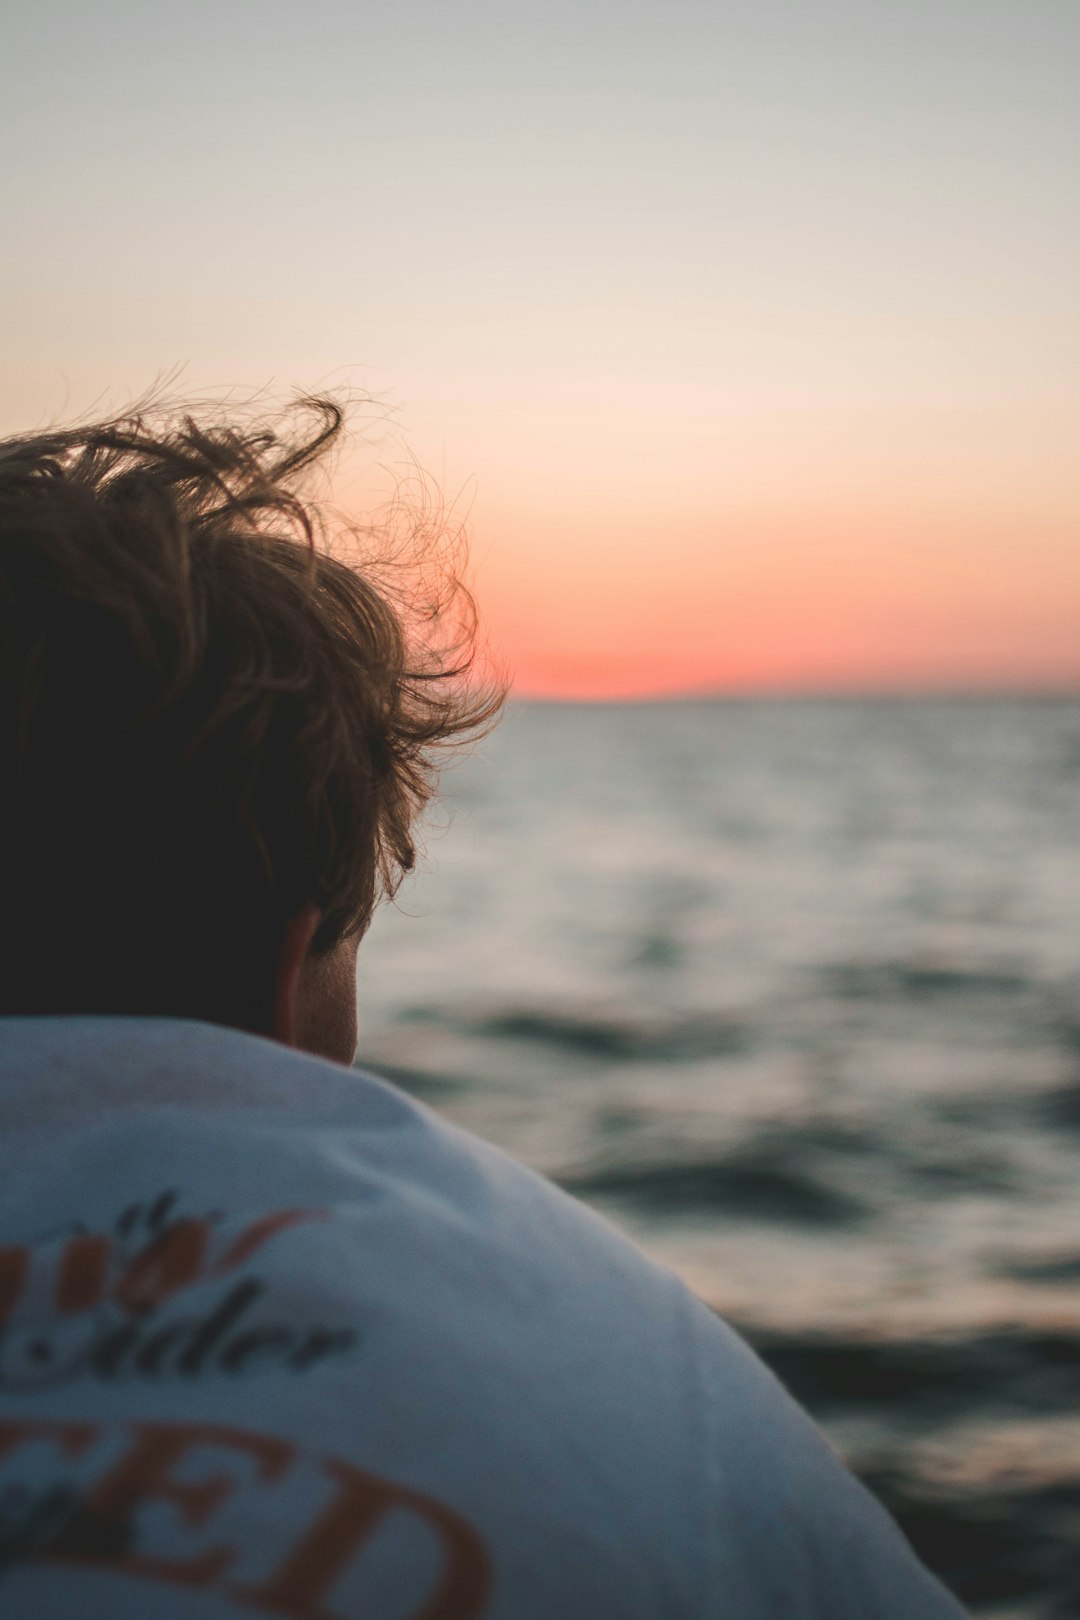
x=754 y=1184
x=936 y=1379
x=618 y=1038
x=623 y=1034
x=859 y=981
x=937 y=1420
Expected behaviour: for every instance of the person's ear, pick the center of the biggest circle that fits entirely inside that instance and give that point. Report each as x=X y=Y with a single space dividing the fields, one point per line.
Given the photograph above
x=295 y=950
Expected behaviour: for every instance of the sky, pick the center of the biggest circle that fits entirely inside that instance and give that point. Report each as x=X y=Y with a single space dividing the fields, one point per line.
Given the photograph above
x=744 y=334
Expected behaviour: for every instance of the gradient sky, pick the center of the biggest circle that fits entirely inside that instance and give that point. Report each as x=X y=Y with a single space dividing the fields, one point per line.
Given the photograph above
x=747 y=333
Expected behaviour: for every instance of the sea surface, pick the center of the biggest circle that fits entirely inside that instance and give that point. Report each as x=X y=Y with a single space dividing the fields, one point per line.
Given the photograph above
x=790 y=990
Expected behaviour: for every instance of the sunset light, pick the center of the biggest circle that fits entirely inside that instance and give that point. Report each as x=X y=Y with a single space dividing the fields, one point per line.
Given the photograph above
x=746 y=335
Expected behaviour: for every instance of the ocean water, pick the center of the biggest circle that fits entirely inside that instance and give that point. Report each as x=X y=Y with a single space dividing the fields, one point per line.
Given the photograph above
x=790 y=990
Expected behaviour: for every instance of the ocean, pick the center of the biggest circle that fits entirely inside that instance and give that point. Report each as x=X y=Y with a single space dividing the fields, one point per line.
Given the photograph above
x=790 y=991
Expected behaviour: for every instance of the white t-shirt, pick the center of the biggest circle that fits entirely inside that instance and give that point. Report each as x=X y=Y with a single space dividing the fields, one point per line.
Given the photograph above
x=279 y=1342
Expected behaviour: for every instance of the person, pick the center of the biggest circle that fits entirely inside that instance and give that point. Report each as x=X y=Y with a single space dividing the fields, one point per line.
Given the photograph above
x=274 y=1339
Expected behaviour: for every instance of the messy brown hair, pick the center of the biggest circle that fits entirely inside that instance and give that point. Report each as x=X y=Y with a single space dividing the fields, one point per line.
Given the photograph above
x=208 y=720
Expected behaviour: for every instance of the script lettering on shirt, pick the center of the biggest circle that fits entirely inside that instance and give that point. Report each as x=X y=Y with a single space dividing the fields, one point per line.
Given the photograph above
x=110 y=1304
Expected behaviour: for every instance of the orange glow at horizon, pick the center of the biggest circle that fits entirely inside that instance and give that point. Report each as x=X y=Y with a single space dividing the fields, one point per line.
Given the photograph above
x=840 y=606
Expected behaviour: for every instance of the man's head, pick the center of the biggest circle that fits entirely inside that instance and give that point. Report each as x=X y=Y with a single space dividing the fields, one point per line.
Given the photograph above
x=215 y=738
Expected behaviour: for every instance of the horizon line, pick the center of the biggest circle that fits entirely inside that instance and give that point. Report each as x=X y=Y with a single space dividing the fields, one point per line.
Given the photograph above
x=1028 y=692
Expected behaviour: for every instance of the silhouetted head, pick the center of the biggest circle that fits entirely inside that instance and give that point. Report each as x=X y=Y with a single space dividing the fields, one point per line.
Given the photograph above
x=215 y=736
